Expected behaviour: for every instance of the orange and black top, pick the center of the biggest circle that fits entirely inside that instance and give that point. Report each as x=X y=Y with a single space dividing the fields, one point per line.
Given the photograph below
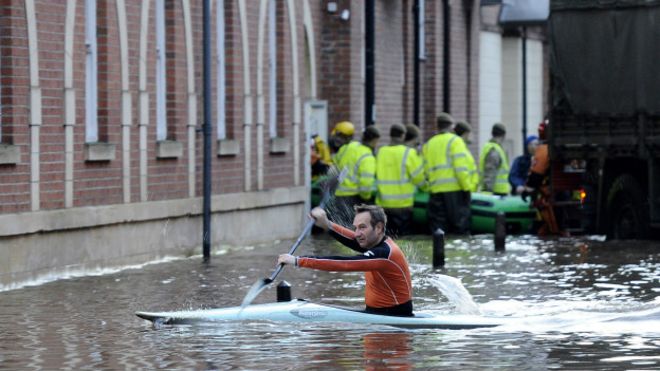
x=387 y=275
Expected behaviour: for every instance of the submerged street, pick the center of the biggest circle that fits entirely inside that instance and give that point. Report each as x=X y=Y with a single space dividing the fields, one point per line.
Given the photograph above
x=579 y=303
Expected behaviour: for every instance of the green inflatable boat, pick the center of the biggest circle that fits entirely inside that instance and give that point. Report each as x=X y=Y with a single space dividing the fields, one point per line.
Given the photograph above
x=519 y=215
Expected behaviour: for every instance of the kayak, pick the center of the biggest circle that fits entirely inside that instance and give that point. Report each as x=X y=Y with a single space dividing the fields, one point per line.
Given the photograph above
x=299 y=310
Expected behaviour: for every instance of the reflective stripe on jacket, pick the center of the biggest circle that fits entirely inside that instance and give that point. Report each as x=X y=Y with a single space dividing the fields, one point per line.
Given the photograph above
x=361 y=165
x=501 y=184
x=446 y=164
x=398 y=170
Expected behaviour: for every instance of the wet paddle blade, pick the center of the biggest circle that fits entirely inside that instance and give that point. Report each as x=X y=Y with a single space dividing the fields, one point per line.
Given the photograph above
x=255 y=290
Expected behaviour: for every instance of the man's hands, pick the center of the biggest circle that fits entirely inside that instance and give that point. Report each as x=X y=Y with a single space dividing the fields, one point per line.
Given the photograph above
x=320 y=218
x=286 y=259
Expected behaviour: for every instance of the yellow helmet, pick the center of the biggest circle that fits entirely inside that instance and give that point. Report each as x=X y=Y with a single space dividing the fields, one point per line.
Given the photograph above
x=345 y=128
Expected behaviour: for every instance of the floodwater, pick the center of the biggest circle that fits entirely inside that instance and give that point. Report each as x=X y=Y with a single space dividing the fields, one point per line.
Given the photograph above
x=577 y=303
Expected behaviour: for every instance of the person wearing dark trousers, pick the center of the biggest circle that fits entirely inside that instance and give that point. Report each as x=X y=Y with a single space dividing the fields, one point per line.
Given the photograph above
x=448 y=179
x=399 y=172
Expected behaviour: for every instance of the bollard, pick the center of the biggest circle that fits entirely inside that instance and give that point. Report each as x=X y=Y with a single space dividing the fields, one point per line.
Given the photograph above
x=500 y=231
x=283 y=291
x=438 y=248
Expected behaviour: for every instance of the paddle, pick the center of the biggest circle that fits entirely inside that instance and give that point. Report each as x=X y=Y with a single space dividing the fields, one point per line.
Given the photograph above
x=328 y=189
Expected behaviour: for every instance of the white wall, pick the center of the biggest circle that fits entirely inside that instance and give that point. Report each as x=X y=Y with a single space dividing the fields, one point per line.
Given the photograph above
x=512 y=90
x=490 y=84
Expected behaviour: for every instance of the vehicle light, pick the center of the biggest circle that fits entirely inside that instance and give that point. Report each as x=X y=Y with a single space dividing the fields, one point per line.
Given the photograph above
x=583 y=195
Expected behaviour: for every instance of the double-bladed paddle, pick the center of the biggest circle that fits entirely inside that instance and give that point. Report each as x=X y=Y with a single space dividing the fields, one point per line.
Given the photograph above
x=328 y=189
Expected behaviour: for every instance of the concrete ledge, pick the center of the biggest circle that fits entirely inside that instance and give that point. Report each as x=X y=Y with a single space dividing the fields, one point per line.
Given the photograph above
x=169 y=149
x=95 y=239
x=279 y=145
x=228 y=147
x=9 y=154
x=99 y=152
x=94 y=216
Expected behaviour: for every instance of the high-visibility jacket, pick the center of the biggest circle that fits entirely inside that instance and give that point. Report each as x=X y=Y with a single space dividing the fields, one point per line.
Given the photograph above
x=473 y=172
x=398 y=170
x=501 y=185
x=446 y=164
x=361 y=170
x=322 y=150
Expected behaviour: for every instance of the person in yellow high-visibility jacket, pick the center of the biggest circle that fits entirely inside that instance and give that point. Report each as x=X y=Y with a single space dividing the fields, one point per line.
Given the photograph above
x=463 y=130
x=399 y=171
x=494 y=164
x=358 y=158
x=448 y=179
x=320 y=157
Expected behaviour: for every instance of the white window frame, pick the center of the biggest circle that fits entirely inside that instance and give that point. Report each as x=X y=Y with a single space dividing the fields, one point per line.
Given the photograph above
x=161 y=82
x=422 y=29
x=91 y=74
x=272 y=68
x=221 y=93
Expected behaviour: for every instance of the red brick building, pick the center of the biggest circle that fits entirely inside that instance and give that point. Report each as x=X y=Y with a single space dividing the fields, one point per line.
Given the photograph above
x=101 y=115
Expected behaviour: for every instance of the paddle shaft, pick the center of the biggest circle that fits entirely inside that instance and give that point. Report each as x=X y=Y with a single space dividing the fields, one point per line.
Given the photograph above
x=305 y=232
x=261 y=284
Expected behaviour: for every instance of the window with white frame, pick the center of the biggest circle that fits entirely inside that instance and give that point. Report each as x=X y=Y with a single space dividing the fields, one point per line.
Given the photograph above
x=91 y=74
x=272 y=68
x=161 y=82
x=221 y=94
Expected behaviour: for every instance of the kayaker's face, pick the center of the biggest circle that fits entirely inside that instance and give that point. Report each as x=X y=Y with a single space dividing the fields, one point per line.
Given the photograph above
x=366 y=235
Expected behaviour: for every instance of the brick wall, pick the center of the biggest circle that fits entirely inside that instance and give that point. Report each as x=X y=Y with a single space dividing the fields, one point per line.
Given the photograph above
x=14 y=179
x=340 y=64
x=97 y=183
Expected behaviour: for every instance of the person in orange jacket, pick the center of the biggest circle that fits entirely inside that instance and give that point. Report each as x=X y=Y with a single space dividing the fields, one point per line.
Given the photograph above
x=537 y=185
x=387 y=275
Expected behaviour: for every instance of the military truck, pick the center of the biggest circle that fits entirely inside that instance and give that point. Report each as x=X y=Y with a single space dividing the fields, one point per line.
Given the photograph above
x=604 y=115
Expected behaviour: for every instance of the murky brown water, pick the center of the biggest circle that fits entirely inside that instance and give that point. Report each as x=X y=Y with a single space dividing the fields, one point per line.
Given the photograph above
x=582 y=304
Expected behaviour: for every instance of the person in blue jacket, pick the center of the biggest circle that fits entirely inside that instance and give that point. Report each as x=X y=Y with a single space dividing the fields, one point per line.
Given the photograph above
x=520 y=167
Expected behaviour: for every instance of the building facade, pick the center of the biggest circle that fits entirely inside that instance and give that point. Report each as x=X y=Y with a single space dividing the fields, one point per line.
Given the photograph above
x=101 y=117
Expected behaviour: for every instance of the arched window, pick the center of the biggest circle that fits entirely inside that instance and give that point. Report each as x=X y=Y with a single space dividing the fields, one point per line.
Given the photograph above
x=91 y=74
x=161 y=81
x=272 y=68
x=221 y=94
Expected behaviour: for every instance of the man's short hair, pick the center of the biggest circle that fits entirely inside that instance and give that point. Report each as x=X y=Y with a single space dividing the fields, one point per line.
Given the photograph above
x=462 y=127
x=444 y=121
x=397 y=131
x=370 y=132
x=498 y=130
x=412 y=132
x=376 y=212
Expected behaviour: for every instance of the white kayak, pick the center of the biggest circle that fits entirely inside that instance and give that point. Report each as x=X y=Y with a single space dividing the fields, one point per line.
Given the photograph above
x=303 y=311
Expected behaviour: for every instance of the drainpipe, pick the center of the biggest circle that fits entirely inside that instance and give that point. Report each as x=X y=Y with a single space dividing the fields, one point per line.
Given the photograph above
x=446 y=89
x=524 y=87
x=416 y=63
x=206 y=236
x=369 y=41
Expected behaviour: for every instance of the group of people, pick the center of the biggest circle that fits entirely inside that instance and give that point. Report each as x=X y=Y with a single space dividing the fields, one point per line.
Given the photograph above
x=444 y=167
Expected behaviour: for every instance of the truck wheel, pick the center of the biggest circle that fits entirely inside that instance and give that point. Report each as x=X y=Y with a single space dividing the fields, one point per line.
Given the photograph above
x=627 y=210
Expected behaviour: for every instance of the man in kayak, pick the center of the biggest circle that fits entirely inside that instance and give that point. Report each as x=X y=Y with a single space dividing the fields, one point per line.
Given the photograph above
x=388 y=285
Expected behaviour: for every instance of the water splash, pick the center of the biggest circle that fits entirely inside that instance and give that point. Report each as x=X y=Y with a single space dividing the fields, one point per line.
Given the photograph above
x=456 y=293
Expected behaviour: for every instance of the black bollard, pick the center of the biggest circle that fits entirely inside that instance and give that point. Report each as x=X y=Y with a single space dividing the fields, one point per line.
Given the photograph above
x=438 y=248
x=500 y=231
x=283 y=291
